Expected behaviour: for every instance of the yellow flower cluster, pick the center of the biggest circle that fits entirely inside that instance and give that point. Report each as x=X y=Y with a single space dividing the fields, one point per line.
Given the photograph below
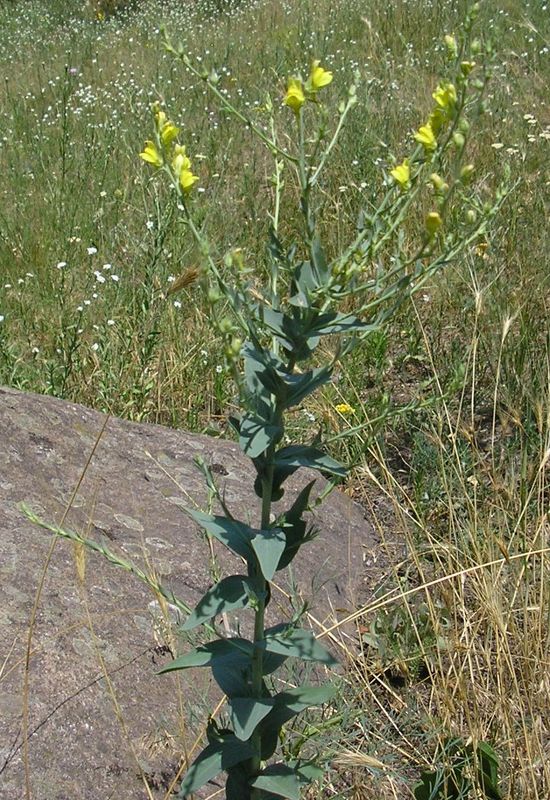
x=298 y=92
x=167 y=152
x=344 y=408
x=446 y=99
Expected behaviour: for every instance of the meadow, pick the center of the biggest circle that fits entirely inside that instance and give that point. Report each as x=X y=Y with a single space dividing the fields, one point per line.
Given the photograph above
x=451 y=400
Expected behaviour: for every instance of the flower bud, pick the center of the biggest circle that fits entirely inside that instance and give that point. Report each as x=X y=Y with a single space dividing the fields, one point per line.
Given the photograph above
x=214 y=295
x=437 y=182
x=450 y=44
x=459 y=140
x=475 y=47
x=471 y=216
x=225 y=325
x=466 y=173
x=433 y=223
x=464 y=125
x=466 y=67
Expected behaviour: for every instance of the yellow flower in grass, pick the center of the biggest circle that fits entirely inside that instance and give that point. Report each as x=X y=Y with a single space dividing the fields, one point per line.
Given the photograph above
x=187 y=180
x=433 y=223
x=426 y=137
x=402 y=174
x=344 y=408
x=318 y=78
x=168 y=133
x=295 y=96
x=151 y=155
x=180 y=160
x=437 y=119
x=445 y=96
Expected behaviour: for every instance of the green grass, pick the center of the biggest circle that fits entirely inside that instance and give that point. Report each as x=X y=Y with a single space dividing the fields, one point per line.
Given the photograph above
x=458 y=484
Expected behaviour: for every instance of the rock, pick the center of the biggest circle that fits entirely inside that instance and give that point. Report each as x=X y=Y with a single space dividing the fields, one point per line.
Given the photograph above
x=101 y=724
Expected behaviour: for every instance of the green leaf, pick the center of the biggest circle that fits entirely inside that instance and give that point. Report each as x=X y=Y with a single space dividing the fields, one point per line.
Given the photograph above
x=233 y=534
x=269 y=546
x=237 y=786
x=296 y=642
x=297 y=455
x=228 y=595
x=246 y=713
x=334 y=322
x=220 y=651
x=295 y=528
x=287 y=705
x=234 y=676
x=257 y=434
x=283 y=780
x=214 y=759
x=300 y=386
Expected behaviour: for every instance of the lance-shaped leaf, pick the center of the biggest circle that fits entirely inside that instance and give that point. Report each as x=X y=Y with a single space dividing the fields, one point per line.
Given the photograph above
x=288 y=640
x=233 y=534
x=334 y=322
x=229 y=594
x=246 y=713
x=215 y=758
x=257 y=434
x=300 y=386
x=295 y=528
x=269 y=546
x=297 y=455
x=287 y=705
x=234 y=676
x=286 y=780
x=220 y=651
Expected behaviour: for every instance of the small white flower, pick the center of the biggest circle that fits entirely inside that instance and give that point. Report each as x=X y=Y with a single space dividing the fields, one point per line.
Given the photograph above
x=107 y=266
x=87 y=302
x=177 y=304
x=35 y=350
x=92 y=251
x=110 y=322
x=79 y=309
x=149 y=224
x=115 y=278
x=103 y=194
x=2 y=318
x=219 y=368
x=171 y=279
x=61 y=264
x=95 y=347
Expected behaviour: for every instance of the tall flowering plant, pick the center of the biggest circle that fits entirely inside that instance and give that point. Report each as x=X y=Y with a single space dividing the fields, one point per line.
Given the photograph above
x=272 y=338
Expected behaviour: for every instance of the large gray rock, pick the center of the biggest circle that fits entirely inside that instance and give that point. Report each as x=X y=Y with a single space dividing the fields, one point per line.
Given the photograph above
x=100 y=722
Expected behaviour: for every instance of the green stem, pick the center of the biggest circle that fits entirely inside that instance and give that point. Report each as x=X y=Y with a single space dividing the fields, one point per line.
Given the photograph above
x=259 y=619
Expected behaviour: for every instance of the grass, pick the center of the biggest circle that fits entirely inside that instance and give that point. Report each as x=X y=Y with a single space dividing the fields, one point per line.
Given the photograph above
x=89 y=248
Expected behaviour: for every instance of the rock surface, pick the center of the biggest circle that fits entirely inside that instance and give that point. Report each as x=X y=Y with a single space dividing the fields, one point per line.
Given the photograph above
x=100 y=723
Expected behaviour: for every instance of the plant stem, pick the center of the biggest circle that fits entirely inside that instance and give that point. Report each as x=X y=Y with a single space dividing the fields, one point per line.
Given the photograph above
x=259 y=619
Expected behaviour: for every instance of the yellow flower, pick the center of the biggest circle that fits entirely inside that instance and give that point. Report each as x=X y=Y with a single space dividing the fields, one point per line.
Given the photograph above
x=433 y=223
x=151 y=154
x=437 y=119
x=295 y=97
x=168 y=133
x=451 y=45
x=187 y=180
x=180 y=160
x=426 y=137
x=344 y=408
x=445 y=96
x=318 y=78
x=402 y=174
x=466 y=67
